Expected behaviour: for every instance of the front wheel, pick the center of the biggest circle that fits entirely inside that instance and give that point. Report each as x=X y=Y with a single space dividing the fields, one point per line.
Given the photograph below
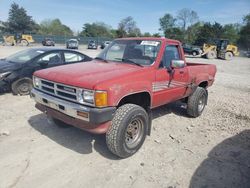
x=197 y=102
x=127 y=131
x=211 y=55
x=194 y=53
x=228 y=56
x=22 y=86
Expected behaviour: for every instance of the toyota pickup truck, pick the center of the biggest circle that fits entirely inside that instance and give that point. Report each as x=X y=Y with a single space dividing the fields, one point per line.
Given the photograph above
x=115 y=93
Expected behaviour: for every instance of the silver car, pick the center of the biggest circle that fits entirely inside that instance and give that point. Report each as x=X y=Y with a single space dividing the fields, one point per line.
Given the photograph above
x=72 y=44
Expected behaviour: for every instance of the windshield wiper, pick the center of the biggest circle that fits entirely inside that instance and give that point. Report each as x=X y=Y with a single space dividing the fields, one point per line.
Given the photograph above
x=99 y=58
x=129 y=61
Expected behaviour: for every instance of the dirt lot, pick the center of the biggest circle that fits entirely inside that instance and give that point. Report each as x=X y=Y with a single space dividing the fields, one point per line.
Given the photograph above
x=210 y=151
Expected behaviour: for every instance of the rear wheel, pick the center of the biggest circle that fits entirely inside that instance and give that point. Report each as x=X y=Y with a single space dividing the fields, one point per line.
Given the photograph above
x=127 y=131
x=211 y=55
x=24 y=42
x=197 y=102
x=22 y=86
x=228 y=56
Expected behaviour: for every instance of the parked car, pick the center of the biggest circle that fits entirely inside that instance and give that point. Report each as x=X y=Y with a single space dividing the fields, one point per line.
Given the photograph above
x=104 y=44
x=191 y=50
x=48 y=42
x=92 y=44
x=246 y=54
x=72 y=44
x=16 y=70
x=114 y=93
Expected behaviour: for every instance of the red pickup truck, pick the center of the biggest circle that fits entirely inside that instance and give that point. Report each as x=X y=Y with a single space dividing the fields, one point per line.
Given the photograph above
x=115 y=93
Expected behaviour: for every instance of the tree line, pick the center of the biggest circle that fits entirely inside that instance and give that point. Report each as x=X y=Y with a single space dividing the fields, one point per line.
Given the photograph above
x=185 y=26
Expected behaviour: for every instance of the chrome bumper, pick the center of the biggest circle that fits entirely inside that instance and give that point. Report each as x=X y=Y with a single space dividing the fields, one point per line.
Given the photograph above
x=68 y=108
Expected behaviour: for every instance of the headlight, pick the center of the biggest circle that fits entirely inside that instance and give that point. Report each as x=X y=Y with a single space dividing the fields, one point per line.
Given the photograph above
x=88 y=96
x=36 y=82
x=97 y=98
x=3 y=75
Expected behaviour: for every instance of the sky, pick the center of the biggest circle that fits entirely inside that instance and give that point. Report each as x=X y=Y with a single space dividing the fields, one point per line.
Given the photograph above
x=146 y=13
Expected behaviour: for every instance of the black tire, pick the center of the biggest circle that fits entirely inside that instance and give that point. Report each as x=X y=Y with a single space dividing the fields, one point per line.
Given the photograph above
x=22 y=86
x=197 y=102
x=228 y=56
x=60 y=123
x=194 y=53
x=129 y=119
x=211 y=55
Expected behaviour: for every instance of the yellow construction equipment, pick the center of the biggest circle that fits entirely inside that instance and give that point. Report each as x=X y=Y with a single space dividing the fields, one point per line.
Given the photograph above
x=221 y=49
x=23 y=40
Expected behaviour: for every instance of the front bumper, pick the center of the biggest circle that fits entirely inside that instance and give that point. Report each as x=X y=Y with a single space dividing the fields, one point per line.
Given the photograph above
x=4 y=86
x=78 y=115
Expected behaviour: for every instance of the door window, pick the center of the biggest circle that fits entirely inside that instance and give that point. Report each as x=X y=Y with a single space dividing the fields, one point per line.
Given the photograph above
x=52 y=58
x=171 y=53
x=72 y=57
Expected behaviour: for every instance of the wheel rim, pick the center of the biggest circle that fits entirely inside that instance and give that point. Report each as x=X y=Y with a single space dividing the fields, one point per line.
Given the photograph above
x=201 y=103
x=24 y=88
x=134 y=133
x=194 y=53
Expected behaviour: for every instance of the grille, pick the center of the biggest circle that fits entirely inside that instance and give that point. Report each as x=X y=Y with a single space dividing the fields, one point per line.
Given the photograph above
x=60 y=90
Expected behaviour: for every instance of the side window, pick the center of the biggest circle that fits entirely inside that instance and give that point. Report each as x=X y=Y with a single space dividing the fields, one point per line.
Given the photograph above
x=72 y=57
x=51 y=58
x=171 y=53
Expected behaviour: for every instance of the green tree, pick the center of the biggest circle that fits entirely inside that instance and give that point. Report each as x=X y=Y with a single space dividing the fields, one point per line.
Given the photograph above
x=192 y=32
x=146 y=34
x=231 y=33
x=54 y=27
x=244 y=38
x=169 y=27
x=97 y=29
x=156 y=35
x=18 y=20
x=209 y=32
x=128 y=27
x=167 y=22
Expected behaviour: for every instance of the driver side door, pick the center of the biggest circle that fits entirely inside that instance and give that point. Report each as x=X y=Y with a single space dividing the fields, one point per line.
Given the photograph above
x=170 y=83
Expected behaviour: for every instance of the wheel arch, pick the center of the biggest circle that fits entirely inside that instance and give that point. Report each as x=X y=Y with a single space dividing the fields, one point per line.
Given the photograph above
x=142 y=98
x=203 y=84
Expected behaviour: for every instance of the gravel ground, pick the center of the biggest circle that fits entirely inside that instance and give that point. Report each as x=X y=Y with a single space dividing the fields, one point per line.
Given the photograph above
x=210 y=151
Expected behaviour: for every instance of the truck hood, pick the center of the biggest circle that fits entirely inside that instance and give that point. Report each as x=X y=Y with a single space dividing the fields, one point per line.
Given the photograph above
x=88 y=74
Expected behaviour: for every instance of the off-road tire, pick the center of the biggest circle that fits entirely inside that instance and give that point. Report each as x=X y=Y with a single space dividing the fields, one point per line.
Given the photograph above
x=24 y=42
x=228 y=56
x=22 y=86
x=116 y=135
x=211 y=55
x=193 y=108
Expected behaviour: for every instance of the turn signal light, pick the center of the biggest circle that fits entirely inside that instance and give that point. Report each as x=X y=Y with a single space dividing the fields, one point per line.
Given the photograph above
x=101 y=99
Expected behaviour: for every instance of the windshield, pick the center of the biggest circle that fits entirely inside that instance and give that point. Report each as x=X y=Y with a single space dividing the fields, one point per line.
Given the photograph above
x=141 y=52
x=73 y=41
x=24 y=56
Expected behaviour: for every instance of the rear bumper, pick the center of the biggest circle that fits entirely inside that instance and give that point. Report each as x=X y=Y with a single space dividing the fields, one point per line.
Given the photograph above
x=96 y=120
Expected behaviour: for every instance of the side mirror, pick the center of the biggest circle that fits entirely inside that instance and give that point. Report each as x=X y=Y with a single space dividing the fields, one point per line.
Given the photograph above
x=177 y=64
